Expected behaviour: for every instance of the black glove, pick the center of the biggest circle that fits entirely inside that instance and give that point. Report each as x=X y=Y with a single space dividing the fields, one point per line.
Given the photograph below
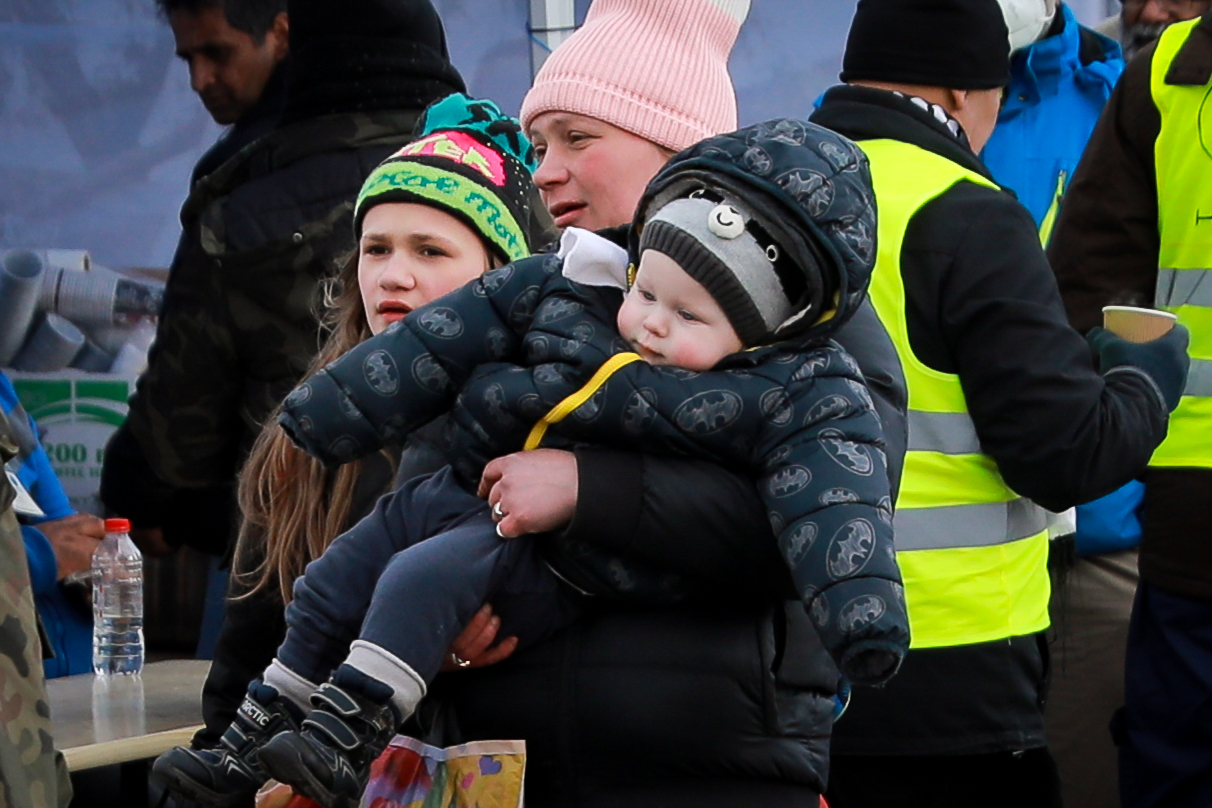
x=1164 y=359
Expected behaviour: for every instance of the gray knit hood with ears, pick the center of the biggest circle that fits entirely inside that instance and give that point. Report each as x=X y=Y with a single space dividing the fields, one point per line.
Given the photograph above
x=810 y=189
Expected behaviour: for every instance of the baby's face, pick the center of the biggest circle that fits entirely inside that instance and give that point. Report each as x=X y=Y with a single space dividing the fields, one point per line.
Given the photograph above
x=669 y=318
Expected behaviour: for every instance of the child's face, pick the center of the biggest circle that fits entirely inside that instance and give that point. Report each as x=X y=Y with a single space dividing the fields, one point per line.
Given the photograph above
x=410 y=255
x=669 y=318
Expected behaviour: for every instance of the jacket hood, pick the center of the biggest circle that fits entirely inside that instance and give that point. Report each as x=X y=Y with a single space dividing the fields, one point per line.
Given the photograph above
x=366 y=56
x=812 y=184
x=1073 y=56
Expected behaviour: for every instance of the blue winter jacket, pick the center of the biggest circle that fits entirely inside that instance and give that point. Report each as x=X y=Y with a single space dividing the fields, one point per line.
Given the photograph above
x=68 y=626
x=1057 y=90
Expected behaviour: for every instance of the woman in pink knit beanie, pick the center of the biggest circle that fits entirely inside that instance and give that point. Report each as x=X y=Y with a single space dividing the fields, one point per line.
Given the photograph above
x=640 y=80
x=720 y=703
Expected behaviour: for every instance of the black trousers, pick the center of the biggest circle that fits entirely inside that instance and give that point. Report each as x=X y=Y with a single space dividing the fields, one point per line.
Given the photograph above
x=1026 y=779
x=1164 y=732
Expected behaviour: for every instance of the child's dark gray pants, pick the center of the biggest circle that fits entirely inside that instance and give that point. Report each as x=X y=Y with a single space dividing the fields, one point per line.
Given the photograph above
x=410 y=576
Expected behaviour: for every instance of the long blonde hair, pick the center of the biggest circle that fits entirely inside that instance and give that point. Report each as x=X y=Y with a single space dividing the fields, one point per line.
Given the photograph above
x=292 y=505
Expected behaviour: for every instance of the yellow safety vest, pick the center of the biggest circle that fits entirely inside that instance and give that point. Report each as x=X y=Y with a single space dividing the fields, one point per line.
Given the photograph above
x=1183 y=156
x=972 y=552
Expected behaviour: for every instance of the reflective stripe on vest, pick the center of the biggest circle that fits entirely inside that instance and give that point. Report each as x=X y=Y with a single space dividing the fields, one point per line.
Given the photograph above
x=947 y=432
x=1184 y=287
x=1199 y=382
x=1184 y=222
x=973 y=553
x=969 y=525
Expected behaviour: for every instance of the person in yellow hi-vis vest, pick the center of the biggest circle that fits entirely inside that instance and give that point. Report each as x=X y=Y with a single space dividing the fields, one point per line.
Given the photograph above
x=1137 y=228
x=1007 y=415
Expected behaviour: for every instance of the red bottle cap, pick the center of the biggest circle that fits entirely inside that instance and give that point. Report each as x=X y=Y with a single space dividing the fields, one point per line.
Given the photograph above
x=117 y=526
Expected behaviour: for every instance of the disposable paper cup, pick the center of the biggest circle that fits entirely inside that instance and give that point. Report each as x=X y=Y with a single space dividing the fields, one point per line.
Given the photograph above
x=1137 y=325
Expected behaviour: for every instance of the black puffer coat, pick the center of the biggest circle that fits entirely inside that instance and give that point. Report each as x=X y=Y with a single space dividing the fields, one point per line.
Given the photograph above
x=722 y=701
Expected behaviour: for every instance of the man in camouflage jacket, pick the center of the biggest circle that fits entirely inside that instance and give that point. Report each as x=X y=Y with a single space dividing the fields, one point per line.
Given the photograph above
x=239 y=323
x=32 y=773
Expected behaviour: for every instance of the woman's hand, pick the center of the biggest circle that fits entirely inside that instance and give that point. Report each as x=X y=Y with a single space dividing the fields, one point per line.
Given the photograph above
x=531 y=492
x=473 y=648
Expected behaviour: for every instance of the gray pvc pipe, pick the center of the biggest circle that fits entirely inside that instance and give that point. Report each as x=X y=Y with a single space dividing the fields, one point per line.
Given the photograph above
x=52 y=346
x=92 y=358
x=75 y=260
x=97 y=297
x=20 y=286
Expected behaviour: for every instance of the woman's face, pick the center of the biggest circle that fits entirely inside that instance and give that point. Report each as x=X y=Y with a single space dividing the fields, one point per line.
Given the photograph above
x=591 y=174
x=412 y=254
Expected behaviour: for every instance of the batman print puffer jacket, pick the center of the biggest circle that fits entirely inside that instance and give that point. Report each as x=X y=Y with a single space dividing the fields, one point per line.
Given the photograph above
x=502 y=352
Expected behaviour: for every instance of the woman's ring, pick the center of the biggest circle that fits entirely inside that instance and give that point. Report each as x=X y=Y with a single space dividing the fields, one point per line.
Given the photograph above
x=497 y=512
x=458 y=660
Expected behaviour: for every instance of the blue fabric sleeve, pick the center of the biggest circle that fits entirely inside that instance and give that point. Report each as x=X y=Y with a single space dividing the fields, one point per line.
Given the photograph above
x=1112 y=523
x=43 y=568
x=36 y=473
x=44 y=486
x=8 y=396
x=39 y=478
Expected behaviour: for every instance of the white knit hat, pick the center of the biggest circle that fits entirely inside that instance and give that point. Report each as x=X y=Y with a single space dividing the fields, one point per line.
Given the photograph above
x=655 y=68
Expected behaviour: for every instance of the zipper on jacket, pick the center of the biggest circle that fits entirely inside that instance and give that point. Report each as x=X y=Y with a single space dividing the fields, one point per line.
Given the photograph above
x=1049 y=222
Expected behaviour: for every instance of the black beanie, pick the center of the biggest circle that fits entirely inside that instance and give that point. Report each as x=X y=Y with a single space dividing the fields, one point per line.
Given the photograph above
x=958 y=44
x=366 y=55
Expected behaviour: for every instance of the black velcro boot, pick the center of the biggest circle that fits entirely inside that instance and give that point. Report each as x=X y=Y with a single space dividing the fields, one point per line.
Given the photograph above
x=328 y=759
x=229 y=775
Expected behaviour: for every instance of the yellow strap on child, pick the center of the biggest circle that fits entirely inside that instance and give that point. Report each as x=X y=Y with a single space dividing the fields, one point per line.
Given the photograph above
x=560 y=411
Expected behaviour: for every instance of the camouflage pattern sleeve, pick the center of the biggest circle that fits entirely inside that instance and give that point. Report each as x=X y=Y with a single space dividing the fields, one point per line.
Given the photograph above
x=185 y=413
x=239 y=326
x=32 y=773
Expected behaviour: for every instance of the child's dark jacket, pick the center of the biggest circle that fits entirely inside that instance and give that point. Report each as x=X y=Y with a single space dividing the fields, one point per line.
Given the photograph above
x=513 y=344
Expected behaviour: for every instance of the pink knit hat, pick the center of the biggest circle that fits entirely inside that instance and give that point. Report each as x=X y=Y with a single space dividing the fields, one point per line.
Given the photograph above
x=655 y=68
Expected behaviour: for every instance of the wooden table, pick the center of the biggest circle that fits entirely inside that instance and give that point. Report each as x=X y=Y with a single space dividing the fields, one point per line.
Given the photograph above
x=99 y=721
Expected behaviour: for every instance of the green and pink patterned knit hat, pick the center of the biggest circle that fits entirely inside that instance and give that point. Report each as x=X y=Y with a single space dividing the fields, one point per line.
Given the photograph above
x=471 y=160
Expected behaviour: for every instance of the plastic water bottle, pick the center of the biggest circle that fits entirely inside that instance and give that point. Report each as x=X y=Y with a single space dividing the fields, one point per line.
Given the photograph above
x=117 y=602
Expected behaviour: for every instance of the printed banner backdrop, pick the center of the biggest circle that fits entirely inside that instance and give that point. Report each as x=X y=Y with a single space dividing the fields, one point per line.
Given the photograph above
x=99 y=129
